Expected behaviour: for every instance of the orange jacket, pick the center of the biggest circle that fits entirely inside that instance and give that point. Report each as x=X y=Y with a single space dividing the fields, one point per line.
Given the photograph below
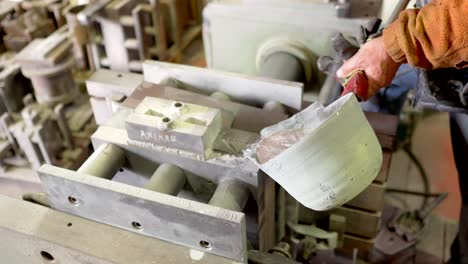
x=435 y=36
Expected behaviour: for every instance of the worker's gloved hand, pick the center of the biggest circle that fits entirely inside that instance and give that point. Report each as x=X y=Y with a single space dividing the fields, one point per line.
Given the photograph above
x=351 y=64
x=373 y=60
x=369 y=31
x=344 y=50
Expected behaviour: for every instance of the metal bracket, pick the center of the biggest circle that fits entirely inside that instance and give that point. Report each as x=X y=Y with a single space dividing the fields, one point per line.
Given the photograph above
x=199 y=226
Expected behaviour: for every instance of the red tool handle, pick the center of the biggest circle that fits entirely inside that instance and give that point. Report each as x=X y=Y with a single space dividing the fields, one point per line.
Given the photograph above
x=358 y=84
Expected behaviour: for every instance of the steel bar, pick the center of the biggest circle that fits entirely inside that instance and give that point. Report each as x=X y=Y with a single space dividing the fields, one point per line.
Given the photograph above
x=283 y=66
x=167 y=179
x=275 y=107
x=63 y=125
x=330 y=91
x=220 y=96
x=424 y=194
x=230 y=194
x=104 y=162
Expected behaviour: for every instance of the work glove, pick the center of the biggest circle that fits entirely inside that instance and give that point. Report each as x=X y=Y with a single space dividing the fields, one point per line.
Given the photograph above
x=357 y=82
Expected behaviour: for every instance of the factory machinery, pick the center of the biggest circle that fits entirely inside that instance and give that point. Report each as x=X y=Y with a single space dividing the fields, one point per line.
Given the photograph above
x=167 y=180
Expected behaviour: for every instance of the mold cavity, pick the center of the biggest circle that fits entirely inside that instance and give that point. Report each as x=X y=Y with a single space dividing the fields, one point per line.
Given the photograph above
x=119 y=75
x=178 y=104
x=69 y=224
x=47 y=256
x=195 y=121
x=73 y=200
x=205 y=244
x=153 y=113
x=166 y=120
x=121 y=169
x=137 y=226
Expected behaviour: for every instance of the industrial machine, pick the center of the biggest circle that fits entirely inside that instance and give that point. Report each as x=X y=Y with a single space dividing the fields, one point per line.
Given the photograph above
x=300 y=28
x=45 y=117
x=169 y=155
x=57 y=58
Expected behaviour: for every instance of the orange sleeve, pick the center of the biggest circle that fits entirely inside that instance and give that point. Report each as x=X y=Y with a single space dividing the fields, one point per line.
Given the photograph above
x=435 y=36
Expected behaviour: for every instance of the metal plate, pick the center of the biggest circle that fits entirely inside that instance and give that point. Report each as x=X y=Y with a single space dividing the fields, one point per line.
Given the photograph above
x=105 y=83
x=35 y=234
x=196 y=225
x=242 y=88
